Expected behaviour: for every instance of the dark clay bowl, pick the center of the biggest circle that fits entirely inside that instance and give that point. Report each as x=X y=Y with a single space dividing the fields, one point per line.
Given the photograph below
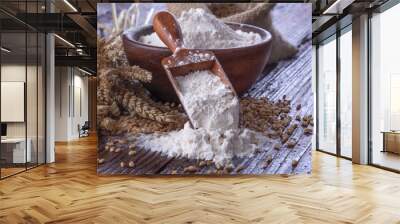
x=242 y=65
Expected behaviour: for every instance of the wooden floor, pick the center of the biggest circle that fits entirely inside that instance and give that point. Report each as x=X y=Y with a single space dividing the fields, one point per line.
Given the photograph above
x=10 y=171
x=70 y=191
x=386 y=159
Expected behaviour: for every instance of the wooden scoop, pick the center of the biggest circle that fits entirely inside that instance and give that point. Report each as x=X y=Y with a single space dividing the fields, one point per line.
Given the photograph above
x=184 y=61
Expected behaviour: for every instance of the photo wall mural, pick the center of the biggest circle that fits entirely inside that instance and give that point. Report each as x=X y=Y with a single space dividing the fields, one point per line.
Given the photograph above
x=204 y=88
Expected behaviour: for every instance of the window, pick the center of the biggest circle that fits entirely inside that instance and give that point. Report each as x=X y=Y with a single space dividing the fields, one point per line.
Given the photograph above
x=385 y=89
x=346 y=93
x=327 y=96
x=22 y=77
x=334 y=106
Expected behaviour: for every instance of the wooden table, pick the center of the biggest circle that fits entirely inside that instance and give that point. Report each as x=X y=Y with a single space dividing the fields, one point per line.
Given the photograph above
x=391 y=141
x=13 y=150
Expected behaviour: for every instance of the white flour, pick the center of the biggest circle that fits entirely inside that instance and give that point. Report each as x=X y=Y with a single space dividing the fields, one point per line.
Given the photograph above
x=219 y=146
x=209 y=103
x=214 y=110
x=204 y=31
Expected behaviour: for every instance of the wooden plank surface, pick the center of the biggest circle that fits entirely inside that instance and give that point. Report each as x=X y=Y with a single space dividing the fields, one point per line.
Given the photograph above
x=292 y=78
x=70 y=191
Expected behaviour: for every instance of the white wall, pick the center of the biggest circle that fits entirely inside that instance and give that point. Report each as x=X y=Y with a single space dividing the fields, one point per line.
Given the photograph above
x=62 y=81
x=80 y=110
x=33 y=126
x=12 y=73
x=70 y=83
x=9 y=73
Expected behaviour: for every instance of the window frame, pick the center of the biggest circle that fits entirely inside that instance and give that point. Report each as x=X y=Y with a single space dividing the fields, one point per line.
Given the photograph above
x=334 y=37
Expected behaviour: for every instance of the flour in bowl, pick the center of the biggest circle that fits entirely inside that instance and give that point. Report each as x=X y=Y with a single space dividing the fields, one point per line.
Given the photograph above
x=214 y=111
x=202 y=30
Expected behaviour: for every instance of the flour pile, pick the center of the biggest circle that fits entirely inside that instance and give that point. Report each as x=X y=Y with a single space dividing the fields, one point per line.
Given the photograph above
x=214 y=111
x=204 y=31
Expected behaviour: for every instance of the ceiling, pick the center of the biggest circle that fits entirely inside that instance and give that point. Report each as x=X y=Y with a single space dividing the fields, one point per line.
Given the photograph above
x=72 y=20
x=332 y=15
x=76 y=20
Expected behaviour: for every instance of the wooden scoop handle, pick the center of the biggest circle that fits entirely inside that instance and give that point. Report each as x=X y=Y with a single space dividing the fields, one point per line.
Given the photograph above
x=168 y=30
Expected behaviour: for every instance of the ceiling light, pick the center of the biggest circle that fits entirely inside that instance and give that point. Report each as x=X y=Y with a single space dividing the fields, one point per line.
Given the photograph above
x=337 y=7
x=84 y=71
x=79 y=51
x=331 y=7
x=65 y=41
x=70 y=5
x=5 y=50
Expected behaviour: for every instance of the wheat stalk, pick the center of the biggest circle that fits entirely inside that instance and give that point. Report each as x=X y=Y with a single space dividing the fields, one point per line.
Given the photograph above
x=144 y=109
x=132 y=73
x=119 y=89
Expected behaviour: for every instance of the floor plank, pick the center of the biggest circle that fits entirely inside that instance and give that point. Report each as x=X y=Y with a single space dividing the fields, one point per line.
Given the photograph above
x=70 y=191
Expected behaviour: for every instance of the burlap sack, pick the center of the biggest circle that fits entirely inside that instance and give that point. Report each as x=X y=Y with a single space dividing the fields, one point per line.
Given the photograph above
x=257 y=14
x=177 y=8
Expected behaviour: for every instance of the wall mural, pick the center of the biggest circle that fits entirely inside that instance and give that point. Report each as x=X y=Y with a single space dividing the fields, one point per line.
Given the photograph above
x=210 y=89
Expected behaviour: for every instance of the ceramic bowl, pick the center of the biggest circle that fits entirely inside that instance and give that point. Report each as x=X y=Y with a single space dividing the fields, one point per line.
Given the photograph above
x=243 y=65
